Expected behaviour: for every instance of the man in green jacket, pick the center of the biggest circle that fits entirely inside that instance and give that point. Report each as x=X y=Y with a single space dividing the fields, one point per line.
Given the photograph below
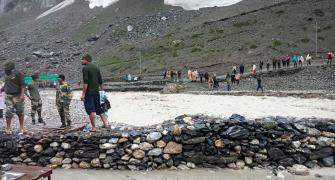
x=92 y=85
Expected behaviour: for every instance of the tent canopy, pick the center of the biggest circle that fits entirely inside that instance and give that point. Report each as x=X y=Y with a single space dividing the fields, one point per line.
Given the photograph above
x=50 y=77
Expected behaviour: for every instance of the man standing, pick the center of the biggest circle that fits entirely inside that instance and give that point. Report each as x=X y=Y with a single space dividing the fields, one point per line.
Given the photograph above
x=92 y=81
x=242 y=69
x=14 y=100
x=330 y=56
x=2 y=100
x=63 y=101
x=36 y=101
x=259 y=83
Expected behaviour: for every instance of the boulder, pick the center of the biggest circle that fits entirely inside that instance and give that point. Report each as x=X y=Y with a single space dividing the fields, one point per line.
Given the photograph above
x=56 y=161
x=155 y=152
x=237 y=132
x=139 y=154
x=38 y=148
x=173 y=148
x=154 y=136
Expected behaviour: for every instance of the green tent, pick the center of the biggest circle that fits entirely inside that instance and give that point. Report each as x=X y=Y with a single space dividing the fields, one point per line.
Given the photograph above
x=51 y=77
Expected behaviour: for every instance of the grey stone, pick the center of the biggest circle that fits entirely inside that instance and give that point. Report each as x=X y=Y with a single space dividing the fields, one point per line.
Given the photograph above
x=155 y=152
x=195 y=140
x=328 y=161
x=38 y=148
x=154 y=136
x=324 y=141
x=299 y=169
x=67 y=161
x=65 y=146
x=56 y=161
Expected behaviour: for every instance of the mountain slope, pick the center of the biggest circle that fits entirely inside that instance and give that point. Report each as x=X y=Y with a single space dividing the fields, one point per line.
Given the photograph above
x=212 y=39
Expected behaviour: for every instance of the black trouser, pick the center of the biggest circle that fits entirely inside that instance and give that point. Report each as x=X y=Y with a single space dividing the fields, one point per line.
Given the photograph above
x=274 y=66
x=1 y=113
x=259 y=87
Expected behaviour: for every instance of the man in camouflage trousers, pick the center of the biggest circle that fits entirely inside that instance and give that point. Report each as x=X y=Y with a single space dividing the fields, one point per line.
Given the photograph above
x=14 y=89
x=36 y=101
x=63 y=101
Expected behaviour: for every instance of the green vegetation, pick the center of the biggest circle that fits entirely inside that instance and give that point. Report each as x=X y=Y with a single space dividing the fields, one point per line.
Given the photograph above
x=4 y=22
x=279 y=12
x=196 y=35
x=193 y=50
x=88 y=30
x=245 y=23
x=253 y=46
x=327 y=27
x=319 y=12
x=276 y=43
x=110 y=62
x=216 y=30
x=305 y=40
x=321 y=38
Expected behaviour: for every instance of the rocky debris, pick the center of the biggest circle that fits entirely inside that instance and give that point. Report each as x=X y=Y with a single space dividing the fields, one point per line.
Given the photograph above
x=172 y=88
x=200 y=141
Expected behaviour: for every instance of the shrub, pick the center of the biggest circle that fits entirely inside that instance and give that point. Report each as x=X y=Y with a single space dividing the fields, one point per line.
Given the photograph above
x=305 y=40
x=276 y=43
x=253 y=46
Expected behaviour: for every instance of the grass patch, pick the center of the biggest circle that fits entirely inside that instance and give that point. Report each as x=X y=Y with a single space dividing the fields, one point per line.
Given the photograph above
x=304 y=28
x=87 y=31
x=327 y=27
x=321 y=38
x=245 y=23
x=193 y=50
x=276 y=43
x=319 y=12
x=196 y=35
x=253 y=46
x=216 y=30
x=279 y=12
x=305 y=40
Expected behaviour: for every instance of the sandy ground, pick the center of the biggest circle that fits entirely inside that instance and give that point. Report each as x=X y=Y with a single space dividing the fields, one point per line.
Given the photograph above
x=198 y=174
x=139 y=108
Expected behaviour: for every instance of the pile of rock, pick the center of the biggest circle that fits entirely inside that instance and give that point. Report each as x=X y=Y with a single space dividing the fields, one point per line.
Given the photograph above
x=184 y=143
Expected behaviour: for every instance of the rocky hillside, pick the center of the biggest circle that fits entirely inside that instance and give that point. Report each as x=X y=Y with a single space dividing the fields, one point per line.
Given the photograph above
x=159 y=35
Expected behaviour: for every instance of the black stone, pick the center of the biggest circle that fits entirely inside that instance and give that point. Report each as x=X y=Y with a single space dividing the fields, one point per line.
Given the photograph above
x=276 y=154
x=237 y=132
x=299 y=158
x=328 y=161
x=286 y=162
x=322 y=153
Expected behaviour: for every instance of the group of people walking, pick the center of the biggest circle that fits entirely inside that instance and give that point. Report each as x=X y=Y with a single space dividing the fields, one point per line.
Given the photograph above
x=14 y=90
x=171 y=75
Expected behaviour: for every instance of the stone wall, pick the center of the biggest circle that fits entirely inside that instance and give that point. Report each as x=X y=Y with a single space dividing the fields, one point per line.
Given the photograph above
x=183 y=143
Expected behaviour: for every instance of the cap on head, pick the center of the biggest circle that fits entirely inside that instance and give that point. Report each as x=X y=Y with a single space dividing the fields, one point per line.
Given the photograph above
x=62 y=76
x=9 y=66
x=87 y=57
